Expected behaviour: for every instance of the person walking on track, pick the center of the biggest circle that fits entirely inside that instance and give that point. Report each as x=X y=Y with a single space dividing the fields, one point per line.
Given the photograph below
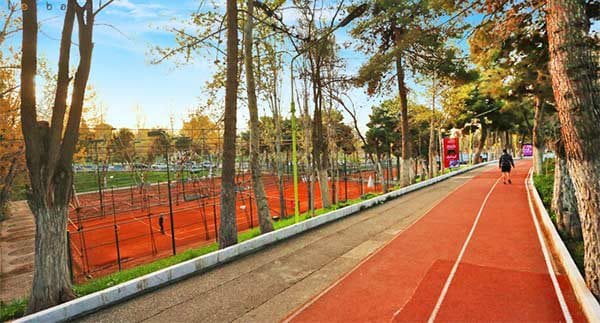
x=161 y=223
x=506 y=164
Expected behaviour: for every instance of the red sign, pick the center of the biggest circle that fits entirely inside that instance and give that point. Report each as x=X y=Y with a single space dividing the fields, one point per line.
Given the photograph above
x=451 y=152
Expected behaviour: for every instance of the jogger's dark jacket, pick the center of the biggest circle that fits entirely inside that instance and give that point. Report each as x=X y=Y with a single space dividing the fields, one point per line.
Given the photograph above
x=506 y=160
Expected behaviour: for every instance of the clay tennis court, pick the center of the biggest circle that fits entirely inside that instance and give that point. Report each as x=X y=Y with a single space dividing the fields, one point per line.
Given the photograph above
x=124 y=229
x=475 y=256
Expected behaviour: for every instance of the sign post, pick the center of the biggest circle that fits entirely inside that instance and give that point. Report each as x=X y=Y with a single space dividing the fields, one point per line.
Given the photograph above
x=451 y=152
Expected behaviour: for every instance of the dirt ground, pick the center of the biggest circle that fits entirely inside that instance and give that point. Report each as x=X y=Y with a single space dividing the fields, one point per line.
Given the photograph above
x=17 y=235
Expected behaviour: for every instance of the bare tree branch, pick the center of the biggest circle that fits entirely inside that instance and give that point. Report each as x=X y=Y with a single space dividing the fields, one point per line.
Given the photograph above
x=102 y=7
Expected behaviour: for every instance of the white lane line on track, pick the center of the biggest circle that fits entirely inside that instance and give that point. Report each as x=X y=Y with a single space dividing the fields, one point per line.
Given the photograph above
x=337 y=282
x=440 y=300
x=557 y=290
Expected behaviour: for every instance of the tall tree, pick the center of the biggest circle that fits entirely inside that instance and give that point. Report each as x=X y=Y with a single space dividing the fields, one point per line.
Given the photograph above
x=11 y=147
x=564 y=201
x=400 y=37
x=264 y=216
x=228 y=227
x=269 y=84
x=576 y=87
x=382 y=133
x=516 y=47
x=122 y=146
x=50 y=147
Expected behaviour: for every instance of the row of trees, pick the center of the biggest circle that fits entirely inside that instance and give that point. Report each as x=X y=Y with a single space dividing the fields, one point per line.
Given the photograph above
x=539 y=58
x=11 y=146
x=398 y=38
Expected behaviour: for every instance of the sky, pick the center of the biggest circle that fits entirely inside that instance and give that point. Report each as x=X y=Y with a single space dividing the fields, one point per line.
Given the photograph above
x=127 y=83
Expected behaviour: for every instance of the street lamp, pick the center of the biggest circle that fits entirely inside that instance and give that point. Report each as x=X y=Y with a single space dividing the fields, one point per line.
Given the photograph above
x=162 y=133
x=358 y=11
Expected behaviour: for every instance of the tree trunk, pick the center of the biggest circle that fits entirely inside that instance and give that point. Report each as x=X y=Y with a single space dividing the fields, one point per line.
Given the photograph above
x=564 y=202
x=264 y=216
x=50 y=149
x=276 y=109
x=228 y=226
x=431 y=169
x=398 y=168
x=406 y=162
x=441 y=149
x=280 y=178
x=480 y=145
x=576 y=87
x=319 y=139
x=51 y=280
x=7 y=184
x=538 y=136
x=380 y=174
x=307 y=152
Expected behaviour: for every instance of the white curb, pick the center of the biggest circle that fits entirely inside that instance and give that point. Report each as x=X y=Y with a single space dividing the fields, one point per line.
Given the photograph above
x=140 y=285
x=586 y=299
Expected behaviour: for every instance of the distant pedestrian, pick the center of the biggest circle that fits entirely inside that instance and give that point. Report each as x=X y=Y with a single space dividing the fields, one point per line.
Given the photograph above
x=161 y=223
x=506 y=164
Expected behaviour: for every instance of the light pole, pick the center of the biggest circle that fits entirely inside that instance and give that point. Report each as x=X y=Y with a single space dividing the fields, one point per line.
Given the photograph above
x=162 y=133
x=358 y=11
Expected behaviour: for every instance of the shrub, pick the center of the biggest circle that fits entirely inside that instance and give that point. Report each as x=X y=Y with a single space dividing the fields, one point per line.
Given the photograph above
x=15 y=308
x=545 y=186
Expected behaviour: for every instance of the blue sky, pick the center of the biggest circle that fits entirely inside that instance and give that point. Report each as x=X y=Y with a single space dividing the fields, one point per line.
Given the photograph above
x=121 y=73
x=125 y=80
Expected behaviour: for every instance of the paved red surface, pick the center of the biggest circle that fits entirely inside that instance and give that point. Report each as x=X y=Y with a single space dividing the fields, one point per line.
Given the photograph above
x=475 y=256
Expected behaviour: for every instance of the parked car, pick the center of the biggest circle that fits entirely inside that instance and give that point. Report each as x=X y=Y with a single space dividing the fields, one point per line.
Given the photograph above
x=140 y=166
x=159 y=166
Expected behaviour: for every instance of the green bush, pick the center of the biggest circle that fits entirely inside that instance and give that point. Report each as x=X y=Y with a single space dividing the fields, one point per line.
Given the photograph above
x=16 y=308
x=545 y=186
x=548 y=166
x=544 y=183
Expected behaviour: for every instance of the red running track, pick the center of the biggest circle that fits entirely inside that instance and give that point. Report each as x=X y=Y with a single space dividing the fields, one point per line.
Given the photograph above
x=475 y=256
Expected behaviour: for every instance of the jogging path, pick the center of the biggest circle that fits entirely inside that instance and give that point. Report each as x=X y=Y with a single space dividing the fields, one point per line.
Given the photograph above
x=475 y=256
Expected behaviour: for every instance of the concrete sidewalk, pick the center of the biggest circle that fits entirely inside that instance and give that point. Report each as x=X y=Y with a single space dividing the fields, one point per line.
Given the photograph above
x=266 y=286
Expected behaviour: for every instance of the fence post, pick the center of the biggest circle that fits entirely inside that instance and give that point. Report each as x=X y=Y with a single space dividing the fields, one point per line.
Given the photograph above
x=118 y=248
x=251 y=218
x=152 y=241
x=70 y=255
x=112 y=190
x=207 y=235
x=360 y=179
x=215 y=220
x=345 y=179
